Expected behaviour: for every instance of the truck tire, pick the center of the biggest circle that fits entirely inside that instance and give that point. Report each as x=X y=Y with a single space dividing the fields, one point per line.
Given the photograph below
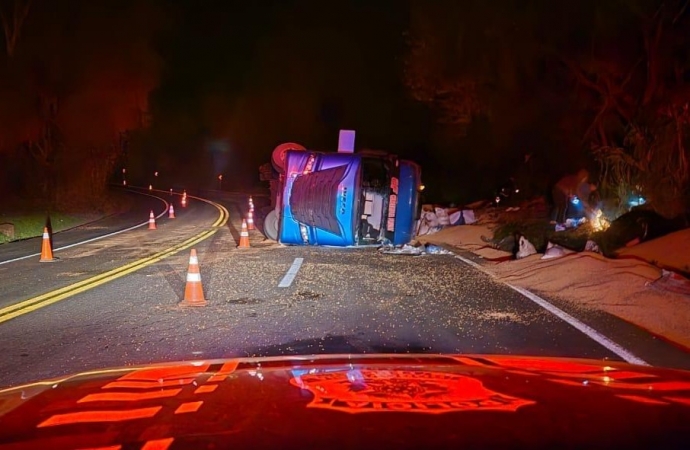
x=278 y=156
x=271 y=225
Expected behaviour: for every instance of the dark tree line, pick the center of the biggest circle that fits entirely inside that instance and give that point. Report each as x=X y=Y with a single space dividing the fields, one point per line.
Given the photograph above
x=194 y=90
x=604 y=82
x=75 y=77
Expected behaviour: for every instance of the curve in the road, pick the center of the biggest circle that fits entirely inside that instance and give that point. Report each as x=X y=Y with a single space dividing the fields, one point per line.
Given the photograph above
x=65 y=247
x=32 y=304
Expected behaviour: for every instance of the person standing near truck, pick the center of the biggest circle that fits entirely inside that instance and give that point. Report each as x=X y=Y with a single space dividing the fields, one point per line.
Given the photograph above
x=566 y=189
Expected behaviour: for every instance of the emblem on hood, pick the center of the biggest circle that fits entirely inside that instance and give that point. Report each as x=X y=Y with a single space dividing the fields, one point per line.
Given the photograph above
x=357 y=391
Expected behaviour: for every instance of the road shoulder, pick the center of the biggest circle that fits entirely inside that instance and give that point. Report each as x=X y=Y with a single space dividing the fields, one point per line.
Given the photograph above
x=586 y=280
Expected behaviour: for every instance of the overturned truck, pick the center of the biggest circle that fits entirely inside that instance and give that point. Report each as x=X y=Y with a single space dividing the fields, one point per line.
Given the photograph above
x=342 y=199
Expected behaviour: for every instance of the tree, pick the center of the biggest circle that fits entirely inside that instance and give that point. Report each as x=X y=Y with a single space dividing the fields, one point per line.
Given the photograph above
x=477 y=66
x=12 y=15
x=70 y=96
x=611 y=76
x=459 y=62
x=637 y=100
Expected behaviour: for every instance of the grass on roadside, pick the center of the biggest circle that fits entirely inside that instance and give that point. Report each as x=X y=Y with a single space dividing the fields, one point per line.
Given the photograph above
x=31 y=224
x=22 y=213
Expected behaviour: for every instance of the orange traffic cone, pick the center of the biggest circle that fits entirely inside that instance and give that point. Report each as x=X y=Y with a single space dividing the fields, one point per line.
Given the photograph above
x=244 y=236
x=152 y=221
x=250 y=220
x=171 y=212
x=193 y=291
x=46 y=248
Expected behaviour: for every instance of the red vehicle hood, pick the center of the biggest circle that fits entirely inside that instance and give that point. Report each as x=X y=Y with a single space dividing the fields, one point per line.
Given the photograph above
x=348 y=401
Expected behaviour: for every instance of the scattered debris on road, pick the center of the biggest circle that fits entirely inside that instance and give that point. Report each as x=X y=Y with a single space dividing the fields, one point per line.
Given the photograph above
x=411 y=250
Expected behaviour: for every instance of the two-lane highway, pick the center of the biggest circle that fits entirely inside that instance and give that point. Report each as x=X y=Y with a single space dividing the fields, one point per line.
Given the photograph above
x=276 y=300
x=139 y=203
x=83 y=264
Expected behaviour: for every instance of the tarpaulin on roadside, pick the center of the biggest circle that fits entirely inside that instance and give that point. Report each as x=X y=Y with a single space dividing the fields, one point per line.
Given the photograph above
x=671 y=282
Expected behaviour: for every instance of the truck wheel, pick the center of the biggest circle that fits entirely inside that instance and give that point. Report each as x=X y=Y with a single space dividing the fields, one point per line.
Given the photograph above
x=271 y=225
x=278 y=156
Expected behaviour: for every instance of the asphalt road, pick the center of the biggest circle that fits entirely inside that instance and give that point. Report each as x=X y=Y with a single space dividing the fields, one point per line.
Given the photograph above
x=341 y=301
x=26 y=278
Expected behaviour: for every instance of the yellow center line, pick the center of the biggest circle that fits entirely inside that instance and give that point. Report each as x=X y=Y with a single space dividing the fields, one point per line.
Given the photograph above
x=32 y=304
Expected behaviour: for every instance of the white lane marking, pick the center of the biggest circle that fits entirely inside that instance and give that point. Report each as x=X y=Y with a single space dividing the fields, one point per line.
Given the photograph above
x=291 y=273
x=97 y=237
x=474 y=264
x=590 y=332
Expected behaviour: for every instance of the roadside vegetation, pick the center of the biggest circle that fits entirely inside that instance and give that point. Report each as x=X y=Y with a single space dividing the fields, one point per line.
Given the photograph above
x=27 y=225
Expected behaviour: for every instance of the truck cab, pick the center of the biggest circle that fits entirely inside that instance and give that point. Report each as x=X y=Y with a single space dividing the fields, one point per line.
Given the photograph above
x=345 y=199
